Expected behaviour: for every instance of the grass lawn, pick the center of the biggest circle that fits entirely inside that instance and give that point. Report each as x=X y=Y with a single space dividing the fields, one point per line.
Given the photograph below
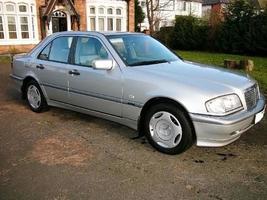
x=260 y=63
x=4 y=59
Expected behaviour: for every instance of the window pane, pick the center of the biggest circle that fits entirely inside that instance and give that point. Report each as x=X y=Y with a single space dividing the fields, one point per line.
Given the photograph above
x=184 y=6
x=24 y=28
x=101 y=10
x=92 y=24
x=12 y=27
x=22 y=8
x=110 y=12
x=118 y=11
x=110 y=24
x=11 y=20
x=143 y=4
x=88 y=50
x=12 y=35
x=92 y=10
x=1 y=28
x=24 y=20
x=60 y=49
x=101 y=23
x=118 y=24
x=25 y=35
x=10 y=8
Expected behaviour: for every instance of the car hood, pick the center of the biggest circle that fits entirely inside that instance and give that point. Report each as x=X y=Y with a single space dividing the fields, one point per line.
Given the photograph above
x=195 y=74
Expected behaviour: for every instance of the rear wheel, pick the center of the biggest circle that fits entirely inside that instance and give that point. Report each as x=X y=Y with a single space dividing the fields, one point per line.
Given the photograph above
x=35 y=97
x=168 y=129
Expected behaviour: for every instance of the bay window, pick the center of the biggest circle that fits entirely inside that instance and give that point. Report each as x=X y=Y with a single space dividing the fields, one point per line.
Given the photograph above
x=106 y=15
x=18 y=22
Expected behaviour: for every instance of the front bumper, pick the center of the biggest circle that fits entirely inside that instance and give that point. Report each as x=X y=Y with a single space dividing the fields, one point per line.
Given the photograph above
x=212 y=131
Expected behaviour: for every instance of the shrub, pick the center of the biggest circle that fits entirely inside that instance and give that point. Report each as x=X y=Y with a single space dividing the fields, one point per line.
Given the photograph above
x=243 y=31
x=189 y=33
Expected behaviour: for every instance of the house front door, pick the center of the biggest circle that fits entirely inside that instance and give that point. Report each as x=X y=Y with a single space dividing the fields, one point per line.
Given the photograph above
x=59 y=22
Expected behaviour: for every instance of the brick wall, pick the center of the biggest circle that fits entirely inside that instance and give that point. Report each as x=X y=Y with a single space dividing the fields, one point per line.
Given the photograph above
x=131 y=15
x=80 y=6
x=4 y=49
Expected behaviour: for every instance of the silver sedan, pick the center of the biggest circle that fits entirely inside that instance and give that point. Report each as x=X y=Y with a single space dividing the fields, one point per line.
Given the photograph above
x=134 y=80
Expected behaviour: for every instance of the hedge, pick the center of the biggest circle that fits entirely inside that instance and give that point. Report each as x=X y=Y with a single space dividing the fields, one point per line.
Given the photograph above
x=243 y=31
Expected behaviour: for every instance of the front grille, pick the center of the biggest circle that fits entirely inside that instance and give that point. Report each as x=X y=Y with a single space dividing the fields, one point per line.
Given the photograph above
x=251 y=97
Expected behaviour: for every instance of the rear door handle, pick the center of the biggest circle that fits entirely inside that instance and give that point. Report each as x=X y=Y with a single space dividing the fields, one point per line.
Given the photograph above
x=74 y=72
x=40 y=66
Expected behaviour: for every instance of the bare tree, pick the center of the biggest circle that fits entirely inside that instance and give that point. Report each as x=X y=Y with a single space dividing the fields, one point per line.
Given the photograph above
x=154 y=12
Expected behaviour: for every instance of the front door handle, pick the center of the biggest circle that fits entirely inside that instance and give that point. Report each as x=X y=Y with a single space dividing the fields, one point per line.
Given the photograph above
x=40 y=66
x=74 y=72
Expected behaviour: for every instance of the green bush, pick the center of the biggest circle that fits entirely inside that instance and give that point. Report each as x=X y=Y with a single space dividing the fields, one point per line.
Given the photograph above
x=189 y=33
x=243 y=31
x=165 y=35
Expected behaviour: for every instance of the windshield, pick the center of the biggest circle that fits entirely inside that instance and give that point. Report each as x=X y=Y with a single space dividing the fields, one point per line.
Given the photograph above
x=141 y=50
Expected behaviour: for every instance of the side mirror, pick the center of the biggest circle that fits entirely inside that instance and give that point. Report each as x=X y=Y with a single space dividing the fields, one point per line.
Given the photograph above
x=43 y=57
x=102 y=64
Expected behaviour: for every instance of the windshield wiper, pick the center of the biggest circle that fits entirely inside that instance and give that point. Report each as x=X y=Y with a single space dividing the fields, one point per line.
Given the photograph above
x=148 y=62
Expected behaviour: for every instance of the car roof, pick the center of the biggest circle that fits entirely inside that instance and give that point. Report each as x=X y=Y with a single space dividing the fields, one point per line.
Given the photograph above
x=97 y=33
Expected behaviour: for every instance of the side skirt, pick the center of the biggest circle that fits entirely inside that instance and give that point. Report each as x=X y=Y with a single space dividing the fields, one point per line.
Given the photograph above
x=127 y=122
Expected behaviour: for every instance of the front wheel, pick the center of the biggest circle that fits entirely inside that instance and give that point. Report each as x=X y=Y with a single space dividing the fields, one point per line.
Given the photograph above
x=35 y=97
x=168 y=129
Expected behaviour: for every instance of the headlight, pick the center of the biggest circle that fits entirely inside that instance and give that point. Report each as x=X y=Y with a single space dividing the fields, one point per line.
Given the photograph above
x=224 y=104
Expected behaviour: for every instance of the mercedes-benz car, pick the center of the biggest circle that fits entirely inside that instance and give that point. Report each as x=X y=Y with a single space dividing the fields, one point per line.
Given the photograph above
x=135 y=80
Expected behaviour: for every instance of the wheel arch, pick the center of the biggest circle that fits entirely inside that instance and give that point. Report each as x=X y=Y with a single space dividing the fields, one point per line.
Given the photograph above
x=166 y=100
x=26 y=80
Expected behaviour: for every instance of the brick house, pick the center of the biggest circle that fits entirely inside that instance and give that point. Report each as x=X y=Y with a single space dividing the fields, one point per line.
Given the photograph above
x=210 y=8
x=213 y=8
x=24 y=23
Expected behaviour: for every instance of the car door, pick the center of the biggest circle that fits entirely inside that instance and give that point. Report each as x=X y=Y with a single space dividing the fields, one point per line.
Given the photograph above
x=51 y=67
x=96 y=90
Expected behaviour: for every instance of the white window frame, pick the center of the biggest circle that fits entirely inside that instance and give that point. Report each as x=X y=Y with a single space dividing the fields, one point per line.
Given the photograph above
x=9 y=3
x=28 y=24
x=32 y=22
x=1 y=7
x=3 y=27
x=23 y=4
x=107 y=4
x=16 y=24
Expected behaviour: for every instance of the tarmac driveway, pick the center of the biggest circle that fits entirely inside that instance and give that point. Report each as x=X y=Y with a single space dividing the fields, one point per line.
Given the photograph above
x=61 y=154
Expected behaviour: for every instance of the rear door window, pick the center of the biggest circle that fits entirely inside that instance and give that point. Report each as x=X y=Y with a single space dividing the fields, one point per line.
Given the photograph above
x=60 y=49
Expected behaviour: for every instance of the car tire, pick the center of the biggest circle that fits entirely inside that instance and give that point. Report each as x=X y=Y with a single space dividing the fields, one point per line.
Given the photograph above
x=168 y=129
x=35 y=97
